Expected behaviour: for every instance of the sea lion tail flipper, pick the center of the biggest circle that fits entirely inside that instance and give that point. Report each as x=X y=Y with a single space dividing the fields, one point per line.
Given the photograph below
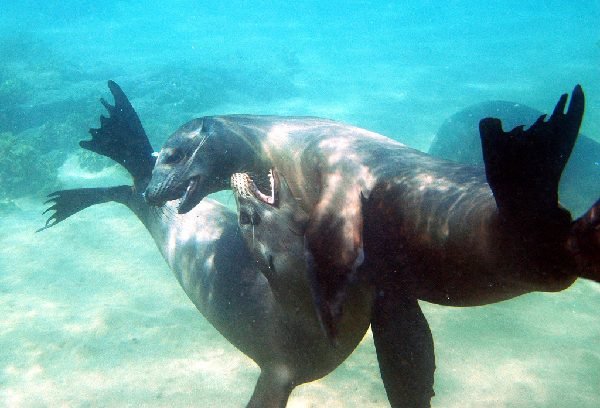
x=584 y=243
x=122 y=138
x=523 y=167
x=68 y=202
x=404 y=346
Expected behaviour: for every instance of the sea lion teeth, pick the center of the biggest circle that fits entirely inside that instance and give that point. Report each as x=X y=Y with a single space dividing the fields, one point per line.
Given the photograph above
x=272 y=183
x=189 y=191
x=244 y=186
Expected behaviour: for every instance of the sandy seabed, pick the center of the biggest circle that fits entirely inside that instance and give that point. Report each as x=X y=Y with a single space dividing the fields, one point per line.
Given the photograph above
x=91 y=316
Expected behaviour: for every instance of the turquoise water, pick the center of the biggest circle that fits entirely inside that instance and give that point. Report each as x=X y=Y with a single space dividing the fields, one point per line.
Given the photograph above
x=91 y=315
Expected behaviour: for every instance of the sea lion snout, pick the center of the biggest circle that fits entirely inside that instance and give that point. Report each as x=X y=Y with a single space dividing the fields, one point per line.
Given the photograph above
x=159 y=190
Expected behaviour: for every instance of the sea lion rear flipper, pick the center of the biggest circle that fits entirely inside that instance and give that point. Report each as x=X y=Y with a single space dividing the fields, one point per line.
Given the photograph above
x=69 y=202
x=523 y=167
x=404 y=349
x=122 y=138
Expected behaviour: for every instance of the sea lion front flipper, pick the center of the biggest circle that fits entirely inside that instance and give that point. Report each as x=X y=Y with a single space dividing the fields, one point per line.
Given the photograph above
x=68 y=202
x=404 y=349
x=523 y=167
x=122 y=138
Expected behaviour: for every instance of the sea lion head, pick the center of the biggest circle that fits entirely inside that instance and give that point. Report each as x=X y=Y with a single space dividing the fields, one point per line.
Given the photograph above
x=185 y=168
x=272 y=224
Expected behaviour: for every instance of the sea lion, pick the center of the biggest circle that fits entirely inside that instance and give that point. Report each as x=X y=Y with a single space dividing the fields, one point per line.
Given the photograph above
x=410 y=266
x=310 y=152
x=463 y=237
x=273 y=225
x=210 y=260
x=454 y=238
x=458 y=140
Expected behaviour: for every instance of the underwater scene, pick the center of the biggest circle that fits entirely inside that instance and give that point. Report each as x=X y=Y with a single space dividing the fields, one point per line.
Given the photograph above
x=91 y=313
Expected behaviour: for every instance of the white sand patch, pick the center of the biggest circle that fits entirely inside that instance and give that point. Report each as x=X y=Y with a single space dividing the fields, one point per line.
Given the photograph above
x=72 y=175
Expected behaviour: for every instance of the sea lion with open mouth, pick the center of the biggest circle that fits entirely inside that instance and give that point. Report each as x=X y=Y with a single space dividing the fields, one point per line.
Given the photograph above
x=403 y=268
x=442 y=219
x=209 y=258
x=273 y=224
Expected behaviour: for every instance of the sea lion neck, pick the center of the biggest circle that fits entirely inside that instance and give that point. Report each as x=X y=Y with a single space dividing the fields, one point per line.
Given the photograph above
x=240 y=147
x=239 y=144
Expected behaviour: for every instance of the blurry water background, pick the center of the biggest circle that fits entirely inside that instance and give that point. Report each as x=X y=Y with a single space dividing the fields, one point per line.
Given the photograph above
x=89 y=313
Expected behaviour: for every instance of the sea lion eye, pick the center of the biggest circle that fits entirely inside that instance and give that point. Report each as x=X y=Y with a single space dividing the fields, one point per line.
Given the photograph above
x=173 y=157
x=245 y=218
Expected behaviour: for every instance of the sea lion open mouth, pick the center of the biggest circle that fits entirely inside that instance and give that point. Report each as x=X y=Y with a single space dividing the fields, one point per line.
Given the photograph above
x=191 y=188
x=244 y=186
x=190 y=196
